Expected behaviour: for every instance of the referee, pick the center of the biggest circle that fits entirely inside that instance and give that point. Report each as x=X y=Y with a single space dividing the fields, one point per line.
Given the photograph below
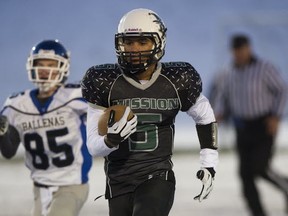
x=255 y=94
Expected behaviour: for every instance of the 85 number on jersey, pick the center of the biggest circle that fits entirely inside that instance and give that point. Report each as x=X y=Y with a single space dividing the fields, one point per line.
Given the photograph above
x=34 y=144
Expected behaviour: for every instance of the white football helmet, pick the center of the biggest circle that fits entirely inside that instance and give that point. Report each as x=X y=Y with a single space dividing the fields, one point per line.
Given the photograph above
x=140 y=23
x=52 y=50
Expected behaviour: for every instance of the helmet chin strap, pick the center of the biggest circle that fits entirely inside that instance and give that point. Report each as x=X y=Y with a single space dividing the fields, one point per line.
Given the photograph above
x=143 y=74
x=134 y=68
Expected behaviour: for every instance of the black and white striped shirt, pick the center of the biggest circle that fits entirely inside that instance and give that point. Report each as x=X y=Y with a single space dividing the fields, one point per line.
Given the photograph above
x=252 y=91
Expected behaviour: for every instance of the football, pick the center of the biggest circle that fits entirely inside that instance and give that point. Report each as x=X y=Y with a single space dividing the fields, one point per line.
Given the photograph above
x=103 y=120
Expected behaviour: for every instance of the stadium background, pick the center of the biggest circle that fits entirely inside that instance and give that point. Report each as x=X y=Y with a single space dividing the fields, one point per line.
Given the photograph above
x=198 y=32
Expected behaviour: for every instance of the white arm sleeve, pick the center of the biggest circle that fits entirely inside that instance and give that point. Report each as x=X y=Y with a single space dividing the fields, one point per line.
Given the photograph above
x=201 y=111
x=203 y=114
x=95 y=143
x=209 y=158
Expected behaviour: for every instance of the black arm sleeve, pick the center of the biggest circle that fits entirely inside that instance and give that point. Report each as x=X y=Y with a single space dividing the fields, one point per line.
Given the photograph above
x=9 y=142
x=207 y=135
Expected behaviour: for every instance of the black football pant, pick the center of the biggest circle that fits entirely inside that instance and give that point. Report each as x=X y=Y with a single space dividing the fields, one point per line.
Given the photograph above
x=255 y=149
x=154 y=197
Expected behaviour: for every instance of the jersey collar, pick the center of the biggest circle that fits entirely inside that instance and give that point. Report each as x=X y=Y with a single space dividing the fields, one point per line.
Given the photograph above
x=42 y=108
x=154 y=77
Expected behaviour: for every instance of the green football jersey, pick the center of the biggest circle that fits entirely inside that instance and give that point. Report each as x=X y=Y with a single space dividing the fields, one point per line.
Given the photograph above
x=173 y=86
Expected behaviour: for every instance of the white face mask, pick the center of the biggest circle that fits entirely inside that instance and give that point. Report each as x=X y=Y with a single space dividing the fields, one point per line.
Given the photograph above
x=46 y=78
x=45 y=83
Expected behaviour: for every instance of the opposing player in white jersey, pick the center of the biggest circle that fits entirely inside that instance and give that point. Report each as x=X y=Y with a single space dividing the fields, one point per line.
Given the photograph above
x=50 y=121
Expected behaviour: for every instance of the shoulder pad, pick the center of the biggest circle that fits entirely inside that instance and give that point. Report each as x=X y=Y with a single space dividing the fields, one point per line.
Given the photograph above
x=97 y=82
x=186 y=79
x=16 y=98
x=14 y=95
x=176 y=64
x=106 y=66
x=102 y=70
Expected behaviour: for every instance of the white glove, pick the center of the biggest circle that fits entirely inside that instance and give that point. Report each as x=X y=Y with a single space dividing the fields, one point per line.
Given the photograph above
x=207 y=179
x=119 y=131
x=4 y=125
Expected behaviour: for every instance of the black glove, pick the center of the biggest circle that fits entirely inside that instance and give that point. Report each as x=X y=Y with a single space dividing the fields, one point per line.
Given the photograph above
x=119 y=131
x=4 y=125
x=206 y=175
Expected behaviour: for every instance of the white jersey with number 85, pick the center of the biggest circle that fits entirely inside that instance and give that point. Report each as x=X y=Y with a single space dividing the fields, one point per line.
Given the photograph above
x=53 y=134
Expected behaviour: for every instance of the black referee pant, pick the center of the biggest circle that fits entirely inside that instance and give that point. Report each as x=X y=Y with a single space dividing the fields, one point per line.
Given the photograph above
x=255 y=149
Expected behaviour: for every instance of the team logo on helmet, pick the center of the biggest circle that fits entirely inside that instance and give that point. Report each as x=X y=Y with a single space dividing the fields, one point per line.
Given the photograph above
x=162 y=27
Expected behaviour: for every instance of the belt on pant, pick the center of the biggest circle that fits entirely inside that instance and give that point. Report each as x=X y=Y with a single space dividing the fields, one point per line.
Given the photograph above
x=41 y=185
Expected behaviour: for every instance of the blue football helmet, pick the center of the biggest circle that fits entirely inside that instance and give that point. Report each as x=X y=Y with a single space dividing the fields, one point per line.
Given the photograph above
x=51 y=50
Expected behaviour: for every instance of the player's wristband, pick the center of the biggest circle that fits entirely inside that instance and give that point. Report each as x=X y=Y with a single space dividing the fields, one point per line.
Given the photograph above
x=108 y=143
x=207 y=135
